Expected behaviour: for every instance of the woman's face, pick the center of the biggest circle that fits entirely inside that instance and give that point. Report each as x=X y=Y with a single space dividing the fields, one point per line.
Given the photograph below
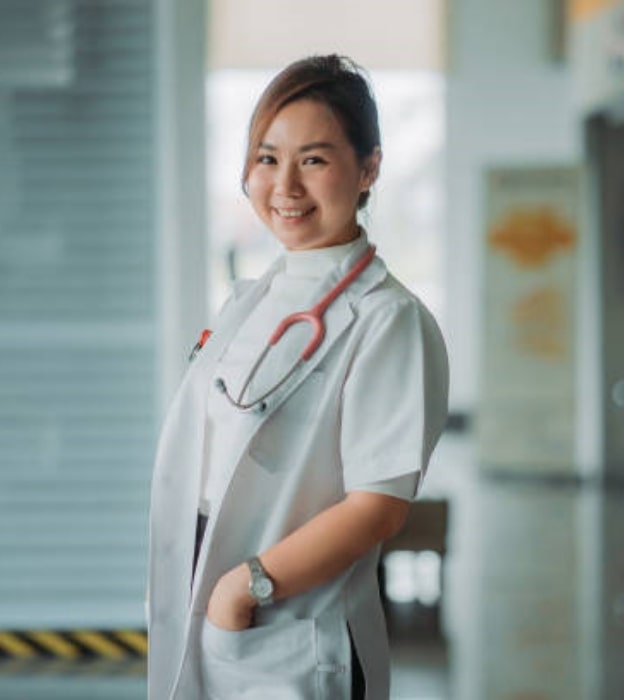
x=305 y=179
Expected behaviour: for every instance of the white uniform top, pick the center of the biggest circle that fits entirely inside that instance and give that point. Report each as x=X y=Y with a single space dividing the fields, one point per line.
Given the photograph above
x=367 y=407
x=289 y=291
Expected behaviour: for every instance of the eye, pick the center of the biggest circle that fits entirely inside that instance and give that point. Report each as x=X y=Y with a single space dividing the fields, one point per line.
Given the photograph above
x=314 y=160
x=266 y=159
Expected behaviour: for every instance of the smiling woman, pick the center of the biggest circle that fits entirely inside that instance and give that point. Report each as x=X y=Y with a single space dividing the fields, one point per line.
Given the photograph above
x=404 y=212
x=288 y=514
x=306 y=181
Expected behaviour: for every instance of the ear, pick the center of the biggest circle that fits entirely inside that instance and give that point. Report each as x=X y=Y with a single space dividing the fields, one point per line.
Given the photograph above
x=370 y=169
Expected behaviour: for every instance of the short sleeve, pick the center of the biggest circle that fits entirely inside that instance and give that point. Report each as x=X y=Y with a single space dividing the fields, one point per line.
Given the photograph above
x=394 y=402
x=403 y=487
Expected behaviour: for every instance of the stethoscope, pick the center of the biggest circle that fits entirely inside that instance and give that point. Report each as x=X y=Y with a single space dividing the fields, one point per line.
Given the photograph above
x=314 y=316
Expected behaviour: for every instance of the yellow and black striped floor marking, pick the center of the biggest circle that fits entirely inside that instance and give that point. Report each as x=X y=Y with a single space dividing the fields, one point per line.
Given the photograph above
x=73 y=645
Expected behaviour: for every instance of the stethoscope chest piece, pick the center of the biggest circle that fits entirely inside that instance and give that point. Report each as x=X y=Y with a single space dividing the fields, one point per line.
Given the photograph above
x=259 y=406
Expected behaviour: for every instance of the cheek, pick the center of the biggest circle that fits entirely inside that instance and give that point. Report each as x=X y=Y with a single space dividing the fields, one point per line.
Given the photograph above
x=257 y=189
x=341 y=191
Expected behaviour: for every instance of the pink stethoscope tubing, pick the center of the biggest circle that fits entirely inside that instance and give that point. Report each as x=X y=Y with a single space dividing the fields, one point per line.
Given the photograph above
x=313 y=316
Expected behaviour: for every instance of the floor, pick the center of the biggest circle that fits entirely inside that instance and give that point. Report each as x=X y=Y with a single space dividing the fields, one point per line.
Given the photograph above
x=75 y=681
x=420 y=660
x=419 y=672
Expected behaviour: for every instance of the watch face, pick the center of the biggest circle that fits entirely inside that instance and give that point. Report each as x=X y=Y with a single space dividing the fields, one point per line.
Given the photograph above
x=262 y=588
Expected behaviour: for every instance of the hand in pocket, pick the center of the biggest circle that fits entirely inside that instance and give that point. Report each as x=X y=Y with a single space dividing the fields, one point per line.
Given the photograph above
x=231 y=606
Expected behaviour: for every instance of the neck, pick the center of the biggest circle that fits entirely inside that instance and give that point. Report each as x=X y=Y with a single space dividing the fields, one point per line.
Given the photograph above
x=317 y=262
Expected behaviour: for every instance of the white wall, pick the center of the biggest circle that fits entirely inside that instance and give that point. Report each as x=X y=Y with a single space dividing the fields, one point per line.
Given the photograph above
x=508 y=103
x=181 y=123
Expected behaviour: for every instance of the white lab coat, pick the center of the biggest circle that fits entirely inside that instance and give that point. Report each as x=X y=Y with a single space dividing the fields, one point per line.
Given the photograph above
x=369 y=405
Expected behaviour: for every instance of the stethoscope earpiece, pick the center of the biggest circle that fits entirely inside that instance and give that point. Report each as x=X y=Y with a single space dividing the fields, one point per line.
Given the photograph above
x=219 y=385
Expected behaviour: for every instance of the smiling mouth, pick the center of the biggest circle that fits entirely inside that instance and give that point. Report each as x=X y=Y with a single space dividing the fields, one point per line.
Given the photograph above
x=293 y=213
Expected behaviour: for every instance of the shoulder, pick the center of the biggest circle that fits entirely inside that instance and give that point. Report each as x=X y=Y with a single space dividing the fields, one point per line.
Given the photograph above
x=390 y=314
x=390 y=298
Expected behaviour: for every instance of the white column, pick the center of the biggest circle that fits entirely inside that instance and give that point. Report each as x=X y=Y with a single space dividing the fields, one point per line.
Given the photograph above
x=180 y=113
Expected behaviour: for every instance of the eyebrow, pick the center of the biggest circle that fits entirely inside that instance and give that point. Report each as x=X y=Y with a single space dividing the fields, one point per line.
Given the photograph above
x=315 y=145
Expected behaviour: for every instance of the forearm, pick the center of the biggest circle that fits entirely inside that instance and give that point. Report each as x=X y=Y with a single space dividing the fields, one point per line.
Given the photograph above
x=315 y=553
x=329 y=543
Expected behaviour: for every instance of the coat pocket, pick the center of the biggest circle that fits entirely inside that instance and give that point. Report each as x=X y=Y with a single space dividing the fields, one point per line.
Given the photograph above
x=274 y=661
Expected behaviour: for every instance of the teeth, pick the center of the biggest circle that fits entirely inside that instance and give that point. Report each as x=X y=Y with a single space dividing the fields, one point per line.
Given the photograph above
x=292 y=213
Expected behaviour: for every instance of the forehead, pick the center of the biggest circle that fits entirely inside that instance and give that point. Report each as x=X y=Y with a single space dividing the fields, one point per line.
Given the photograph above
x=305 y=121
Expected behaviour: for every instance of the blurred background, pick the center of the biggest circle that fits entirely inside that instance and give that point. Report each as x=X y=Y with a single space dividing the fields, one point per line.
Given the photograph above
x=501 y=204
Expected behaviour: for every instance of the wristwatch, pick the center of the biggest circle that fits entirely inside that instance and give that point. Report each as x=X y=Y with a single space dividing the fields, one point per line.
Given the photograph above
x=260 y=586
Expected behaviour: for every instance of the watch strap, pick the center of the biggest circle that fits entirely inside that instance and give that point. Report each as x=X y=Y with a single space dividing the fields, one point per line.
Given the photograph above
x=256 y=568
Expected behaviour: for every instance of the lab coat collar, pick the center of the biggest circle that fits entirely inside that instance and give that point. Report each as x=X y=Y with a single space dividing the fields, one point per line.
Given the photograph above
x=246 y=295
x=338 y=317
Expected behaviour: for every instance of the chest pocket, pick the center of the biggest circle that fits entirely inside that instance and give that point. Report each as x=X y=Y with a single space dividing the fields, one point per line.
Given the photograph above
x=285 y=433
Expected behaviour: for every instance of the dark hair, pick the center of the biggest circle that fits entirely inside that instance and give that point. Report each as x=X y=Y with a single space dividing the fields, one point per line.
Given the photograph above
x=333 y=80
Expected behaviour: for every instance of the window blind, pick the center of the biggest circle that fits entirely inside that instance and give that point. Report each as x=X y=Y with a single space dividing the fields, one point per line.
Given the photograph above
x=77 y=311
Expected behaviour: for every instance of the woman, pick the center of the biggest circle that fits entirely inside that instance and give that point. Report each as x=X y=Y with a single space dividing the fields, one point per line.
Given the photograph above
x=298 y=476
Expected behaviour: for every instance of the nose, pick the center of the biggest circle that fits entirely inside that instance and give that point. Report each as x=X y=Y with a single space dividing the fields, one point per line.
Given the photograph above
x=288 y=182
